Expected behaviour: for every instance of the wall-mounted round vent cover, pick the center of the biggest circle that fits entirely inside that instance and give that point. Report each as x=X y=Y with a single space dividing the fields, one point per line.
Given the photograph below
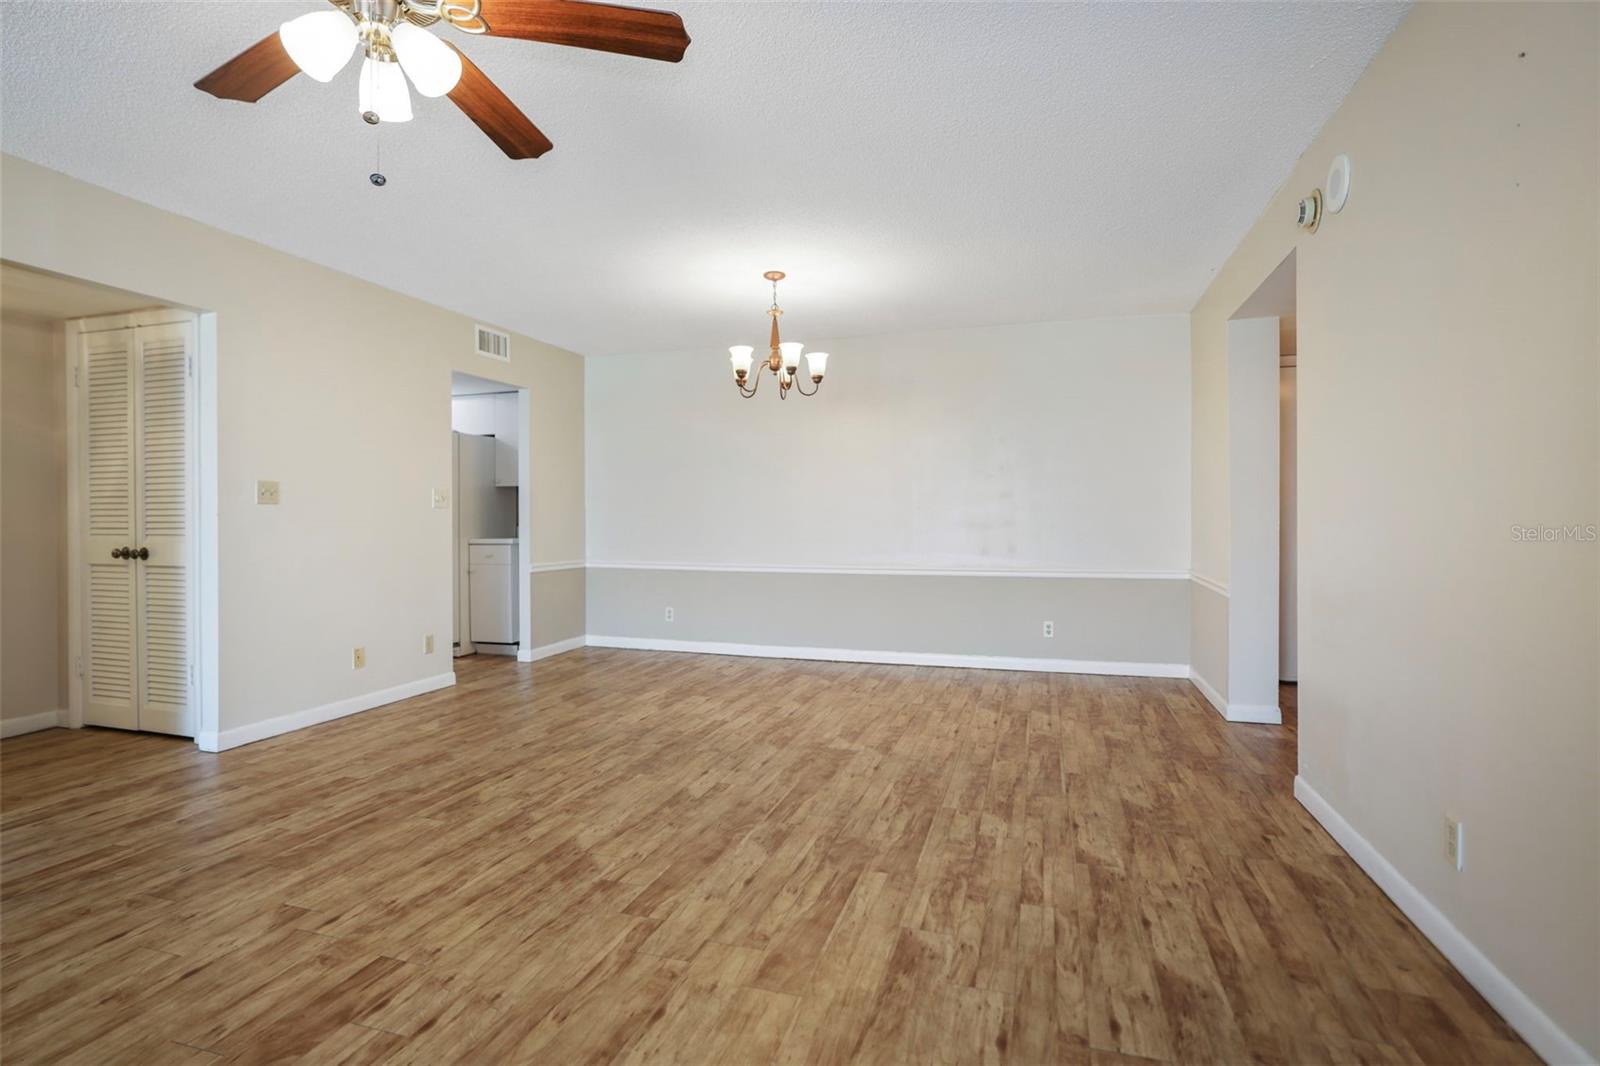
x=1338 y=185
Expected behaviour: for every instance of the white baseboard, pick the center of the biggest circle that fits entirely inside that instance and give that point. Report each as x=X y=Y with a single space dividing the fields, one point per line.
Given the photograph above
x=1260 y=714
x=898 y=571
x=544 y=651
x=896 y=658
x=31 y=723
x=1235 y=712
x=288 y=723
x=1523 y=1015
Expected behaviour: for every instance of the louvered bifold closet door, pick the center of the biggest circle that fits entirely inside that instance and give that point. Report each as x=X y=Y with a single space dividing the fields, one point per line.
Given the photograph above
x=107 y=397
x=163 y=491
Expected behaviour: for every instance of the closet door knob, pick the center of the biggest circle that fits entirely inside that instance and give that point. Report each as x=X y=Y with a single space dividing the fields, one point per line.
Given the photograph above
x=140 y=553
x=119 y=553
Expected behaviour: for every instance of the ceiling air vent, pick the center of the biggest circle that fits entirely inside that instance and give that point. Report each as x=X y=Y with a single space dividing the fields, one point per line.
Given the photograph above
x=493 y=344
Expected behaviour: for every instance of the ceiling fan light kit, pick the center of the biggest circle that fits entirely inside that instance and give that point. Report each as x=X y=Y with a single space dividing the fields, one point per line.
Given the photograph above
x=398 y=45
x=783 y=357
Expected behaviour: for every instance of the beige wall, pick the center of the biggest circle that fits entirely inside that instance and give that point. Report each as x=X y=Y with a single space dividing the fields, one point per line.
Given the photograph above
x=1447 y=351
x=33 y=518
x=340 y=390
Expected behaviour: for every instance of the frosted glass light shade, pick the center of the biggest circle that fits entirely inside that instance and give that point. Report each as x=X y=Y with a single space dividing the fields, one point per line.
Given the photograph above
x=434 y=67
x=383 y=91
x=319 y=43
x=739 y=356
x=791 y=354
x=818 y=362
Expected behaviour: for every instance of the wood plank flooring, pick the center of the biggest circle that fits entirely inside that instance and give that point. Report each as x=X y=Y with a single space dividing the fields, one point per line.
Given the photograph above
x=625 y=857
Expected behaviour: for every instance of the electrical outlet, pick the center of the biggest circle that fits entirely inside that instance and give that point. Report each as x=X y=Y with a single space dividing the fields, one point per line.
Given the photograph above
x=669 y=614
x=358 y=659
x=1455 y=842
x=441 y=500
x=266 y=492
x=1049 y=629
x=427 y=644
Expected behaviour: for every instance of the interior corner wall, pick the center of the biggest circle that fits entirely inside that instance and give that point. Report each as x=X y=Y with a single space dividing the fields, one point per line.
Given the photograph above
x=33 y=520
x=1449 y=482
x=944 y=494
x=340 y=390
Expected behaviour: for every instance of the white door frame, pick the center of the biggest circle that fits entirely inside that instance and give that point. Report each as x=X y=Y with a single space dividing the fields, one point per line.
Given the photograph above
x=204 y=688
x=524 y=563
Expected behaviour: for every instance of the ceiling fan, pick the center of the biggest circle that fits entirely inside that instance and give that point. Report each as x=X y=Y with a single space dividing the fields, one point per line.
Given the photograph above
x=395 y=38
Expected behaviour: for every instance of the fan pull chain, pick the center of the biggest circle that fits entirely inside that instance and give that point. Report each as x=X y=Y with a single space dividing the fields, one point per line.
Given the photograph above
x=376 y=177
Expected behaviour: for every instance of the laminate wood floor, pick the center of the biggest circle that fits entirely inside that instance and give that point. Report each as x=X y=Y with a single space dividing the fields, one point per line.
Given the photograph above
x=634 y=857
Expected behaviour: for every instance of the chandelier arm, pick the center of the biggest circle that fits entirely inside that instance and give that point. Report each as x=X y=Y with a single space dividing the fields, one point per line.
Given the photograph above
x=751 y=391
x=815 y=388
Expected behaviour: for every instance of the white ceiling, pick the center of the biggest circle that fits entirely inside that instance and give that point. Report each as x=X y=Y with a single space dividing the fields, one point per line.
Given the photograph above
x=910 y=165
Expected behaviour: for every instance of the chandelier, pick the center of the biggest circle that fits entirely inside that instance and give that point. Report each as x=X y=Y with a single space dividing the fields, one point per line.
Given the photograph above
x=783 y=360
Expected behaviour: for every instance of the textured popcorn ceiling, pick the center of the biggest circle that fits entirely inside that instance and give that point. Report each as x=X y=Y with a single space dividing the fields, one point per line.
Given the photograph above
x=910 y=165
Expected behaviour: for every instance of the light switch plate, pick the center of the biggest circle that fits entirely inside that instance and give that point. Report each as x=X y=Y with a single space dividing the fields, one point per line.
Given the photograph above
x=441 y=499
x=266 y=492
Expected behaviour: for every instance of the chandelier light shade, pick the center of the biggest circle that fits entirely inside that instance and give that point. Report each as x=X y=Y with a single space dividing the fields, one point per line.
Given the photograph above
x=320 y=43
x=783 y=357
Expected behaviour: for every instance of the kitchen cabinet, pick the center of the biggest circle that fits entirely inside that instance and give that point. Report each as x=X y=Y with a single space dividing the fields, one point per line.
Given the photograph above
x=507 y=435
x=493 y=415
x=492 y=591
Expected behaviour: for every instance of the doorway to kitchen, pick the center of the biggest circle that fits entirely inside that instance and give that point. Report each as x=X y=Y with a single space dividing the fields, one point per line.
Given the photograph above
x=488 y=422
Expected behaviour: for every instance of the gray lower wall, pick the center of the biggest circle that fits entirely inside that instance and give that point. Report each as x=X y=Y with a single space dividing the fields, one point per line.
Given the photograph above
x=1208 y=624
x=1126 y=620
x=557 y=602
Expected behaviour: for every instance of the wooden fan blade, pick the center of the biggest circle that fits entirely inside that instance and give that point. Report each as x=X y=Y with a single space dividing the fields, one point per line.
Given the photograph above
x=482 y=101
x=629 y=31
x=251 y=74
